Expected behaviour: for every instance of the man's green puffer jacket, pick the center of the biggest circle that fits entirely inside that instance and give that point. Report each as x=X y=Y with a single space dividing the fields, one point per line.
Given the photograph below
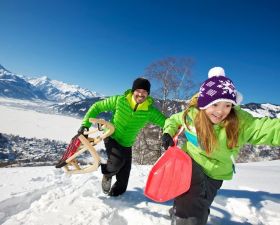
x=127 y=121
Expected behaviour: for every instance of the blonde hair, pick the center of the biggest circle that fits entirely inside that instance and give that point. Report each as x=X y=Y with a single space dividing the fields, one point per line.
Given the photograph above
x=205 y=131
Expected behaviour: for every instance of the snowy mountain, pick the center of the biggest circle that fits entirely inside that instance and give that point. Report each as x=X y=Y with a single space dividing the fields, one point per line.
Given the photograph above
x=75 y=101
x=61 y=92
x=14 y=86
x=78 y=108
x=261 y=110
x=42 y=88
x=2 y=69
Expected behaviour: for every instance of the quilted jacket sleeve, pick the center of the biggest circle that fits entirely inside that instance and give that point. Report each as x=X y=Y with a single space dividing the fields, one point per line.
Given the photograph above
x=259 y=130
x=106 y=105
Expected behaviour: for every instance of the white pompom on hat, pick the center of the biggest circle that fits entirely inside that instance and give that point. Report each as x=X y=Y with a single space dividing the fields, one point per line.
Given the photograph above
x=216 y=72
x=239 y=98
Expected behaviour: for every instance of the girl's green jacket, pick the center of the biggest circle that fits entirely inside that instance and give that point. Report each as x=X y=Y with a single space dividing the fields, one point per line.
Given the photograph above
x=219 y=164
x=127 y=118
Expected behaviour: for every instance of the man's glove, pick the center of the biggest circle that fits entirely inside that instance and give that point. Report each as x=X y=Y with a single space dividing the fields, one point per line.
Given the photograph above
x=82 y=130
x=167 y=141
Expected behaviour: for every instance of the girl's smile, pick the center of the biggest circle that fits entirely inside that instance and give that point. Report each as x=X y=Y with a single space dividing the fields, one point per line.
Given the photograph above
x=218 y=111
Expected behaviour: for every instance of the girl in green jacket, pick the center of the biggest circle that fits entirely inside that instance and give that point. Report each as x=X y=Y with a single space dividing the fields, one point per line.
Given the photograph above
x=216 y=128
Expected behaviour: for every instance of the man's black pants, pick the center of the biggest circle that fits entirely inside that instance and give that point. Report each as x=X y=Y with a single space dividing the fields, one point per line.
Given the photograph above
x=119 y=164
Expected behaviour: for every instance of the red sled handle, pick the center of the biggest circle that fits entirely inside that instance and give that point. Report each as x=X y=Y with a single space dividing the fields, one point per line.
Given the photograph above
x=175 y=138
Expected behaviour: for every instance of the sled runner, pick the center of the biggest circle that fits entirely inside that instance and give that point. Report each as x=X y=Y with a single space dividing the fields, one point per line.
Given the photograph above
x=171 y=174
x=80 y=144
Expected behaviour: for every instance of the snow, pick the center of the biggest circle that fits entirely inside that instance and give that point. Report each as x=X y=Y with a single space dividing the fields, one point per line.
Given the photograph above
x=26 y=122
x=45 y=195
x=268 y=106
x=48 y=196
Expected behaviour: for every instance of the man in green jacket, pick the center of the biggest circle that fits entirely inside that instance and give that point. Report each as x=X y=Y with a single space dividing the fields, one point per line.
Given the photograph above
x=131 y=112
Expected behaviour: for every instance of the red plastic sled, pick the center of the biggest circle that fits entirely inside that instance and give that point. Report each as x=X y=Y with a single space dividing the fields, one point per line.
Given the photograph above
x=170 y=176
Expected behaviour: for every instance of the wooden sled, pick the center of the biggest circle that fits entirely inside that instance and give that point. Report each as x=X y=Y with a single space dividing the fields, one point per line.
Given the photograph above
x=87 y=144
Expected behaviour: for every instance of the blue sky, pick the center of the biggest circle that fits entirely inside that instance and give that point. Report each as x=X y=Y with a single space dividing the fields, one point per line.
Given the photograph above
x=105 y=45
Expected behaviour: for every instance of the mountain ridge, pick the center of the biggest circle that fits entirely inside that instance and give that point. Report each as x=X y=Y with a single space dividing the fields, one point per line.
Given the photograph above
x=40 y=88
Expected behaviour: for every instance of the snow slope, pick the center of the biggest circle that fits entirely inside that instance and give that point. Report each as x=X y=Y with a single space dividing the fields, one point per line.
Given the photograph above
x=22 y=120
x=47 y=196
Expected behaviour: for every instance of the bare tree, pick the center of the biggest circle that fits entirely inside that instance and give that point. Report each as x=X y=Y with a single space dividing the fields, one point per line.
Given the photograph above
x=172 y=80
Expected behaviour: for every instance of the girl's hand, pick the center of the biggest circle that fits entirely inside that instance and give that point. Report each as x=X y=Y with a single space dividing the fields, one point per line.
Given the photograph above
x=167 y=141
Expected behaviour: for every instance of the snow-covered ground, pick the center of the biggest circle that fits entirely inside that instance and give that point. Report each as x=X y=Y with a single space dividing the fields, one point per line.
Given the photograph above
x=19 y=118
x=47 y=196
